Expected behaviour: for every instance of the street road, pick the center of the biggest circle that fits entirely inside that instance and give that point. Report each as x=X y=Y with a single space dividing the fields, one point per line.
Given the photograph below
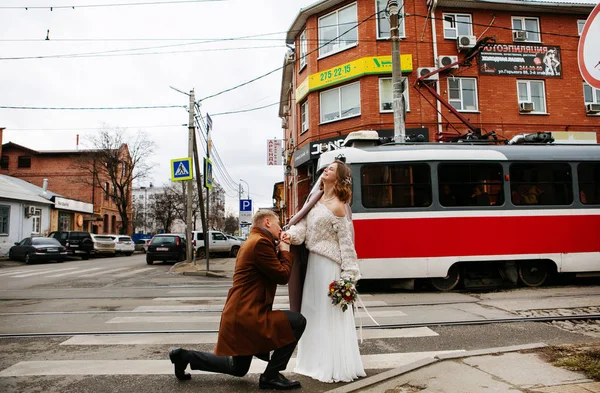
x=107 y=324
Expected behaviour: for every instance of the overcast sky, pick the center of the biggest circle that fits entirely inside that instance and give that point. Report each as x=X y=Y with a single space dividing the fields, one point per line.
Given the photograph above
x=115 y=78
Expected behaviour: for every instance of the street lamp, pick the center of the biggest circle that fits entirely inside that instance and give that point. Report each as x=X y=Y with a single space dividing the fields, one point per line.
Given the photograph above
x=247 y=186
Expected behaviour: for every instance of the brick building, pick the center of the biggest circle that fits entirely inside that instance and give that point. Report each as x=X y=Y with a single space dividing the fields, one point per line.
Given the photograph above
x=67 y=177
x=338 y=77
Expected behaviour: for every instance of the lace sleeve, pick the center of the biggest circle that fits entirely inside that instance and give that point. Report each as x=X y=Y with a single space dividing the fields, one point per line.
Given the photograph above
x=298 y=232
x=350 y=270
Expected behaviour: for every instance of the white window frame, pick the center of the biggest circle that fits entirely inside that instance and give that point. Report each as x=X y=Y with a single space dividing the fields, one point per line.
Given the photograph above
x=339 y=90
x=523 y=19
x=304 y=117
x=595 y=94
x=382 y=101
x=461 y=99
x=303 y=50
x=446 y=24
x=383 y=15
x=36 y=222
x=580 y=24
x=340 y=42
x=7 y=218
x=529 y=99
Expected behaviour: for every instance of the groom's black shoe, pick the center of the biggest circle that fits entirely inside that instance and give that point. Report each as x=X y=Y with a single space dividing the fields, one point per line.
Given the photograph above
x=177 y=358
x=263 y=356
x=278 y=382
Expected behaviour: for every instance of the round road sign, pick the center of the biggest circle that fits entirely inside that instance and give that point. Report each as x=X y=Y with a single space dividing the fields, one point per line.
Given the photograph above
x=588 y=52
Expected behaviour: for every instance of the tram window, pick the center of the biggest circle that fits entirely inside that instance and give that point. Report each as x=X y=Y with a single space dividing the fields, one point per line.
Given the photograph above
x=541 y=184
x=396 y=185
x=589 y=183
x=464 y=184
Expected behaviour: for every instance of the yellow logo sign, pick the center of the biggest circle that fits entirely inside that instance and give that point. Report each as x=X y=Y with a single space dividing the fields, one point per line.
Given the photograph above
x=349 y=71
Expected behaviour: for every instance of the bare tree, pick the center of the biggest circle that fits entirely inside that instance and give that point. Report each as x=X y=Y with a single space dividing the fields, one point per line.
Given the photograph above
x=231 y=224
x=178 y=193
x=115 y=162
x=139 y=220
x=162 y=210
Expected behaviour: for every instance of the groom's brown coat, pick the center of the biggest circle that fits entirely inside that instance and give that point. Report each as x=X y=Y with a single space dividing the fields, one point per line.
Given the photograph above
x=249 y=326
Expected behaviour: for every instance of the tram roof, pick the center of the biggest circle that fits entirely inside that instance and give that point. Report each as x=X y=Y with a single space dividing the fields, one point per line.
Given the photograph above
x=462 y=152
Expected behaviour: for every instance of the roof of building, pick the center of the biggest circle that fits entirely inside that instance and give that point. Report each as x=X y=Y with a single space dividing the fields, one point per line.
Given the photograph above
x=552 y=6
x=13 y=188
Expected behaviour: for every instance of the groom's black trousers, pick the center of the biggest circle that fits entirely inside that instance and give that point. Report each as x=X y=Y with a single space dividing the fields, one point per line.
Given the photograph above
x=239 y=365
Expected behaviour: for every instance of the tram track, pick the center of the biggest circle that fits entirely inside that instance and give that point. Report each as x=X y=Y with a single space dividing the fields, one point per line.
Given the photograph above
x=482 y=321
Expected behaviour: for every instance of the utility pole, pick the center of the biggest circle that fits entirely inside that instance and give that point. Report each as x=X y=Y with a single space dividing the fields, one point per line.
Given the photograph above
x=397 y=83
x=200 y=193
x=190 y=183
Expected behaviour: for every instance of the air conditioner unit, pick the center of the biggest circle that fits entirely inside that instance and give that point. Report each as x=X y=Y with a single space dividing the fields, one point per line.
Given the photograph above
x=443 y=61
x=519 y=35
x=526 y=106
x=284 y=122
x=465 y=42
x=292 y=142
x=592 y=108
x=426 y=70
x=30 y=211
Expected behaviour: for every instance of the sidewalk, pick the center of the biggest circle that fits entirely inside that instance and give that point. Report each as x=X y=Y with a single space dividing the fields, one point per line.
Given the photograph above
x=508 y=369
x=218 y=267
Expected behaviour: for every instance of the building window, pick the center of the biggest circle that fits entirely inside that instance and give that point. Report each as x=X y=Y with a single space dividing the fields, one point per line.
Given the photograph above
x=124 y=170
x=396 y=185
x=340 y=103
x=580 y=24
x=338 y=30
x=105 y=223
x=532 y=91
x=65 y=221
x=24 y=162
x=4 y=219
x=541 y=184
x=462 y=94
x=589 y=183
x=457 y=24
x=470 y=184
x=531 y=27
x=304 y=116
x=303 y=50
x=36 y=222
x=591 y=95
x=106 y=190
x=386 y=95
x=4 y=162
x=383 y=23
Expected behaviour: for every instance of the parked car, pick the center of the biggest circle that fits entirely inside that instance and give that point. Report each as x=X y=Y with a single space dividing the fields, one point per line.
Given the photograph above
x=33 y=249
x=76 y=242
x=220 y=243
x=142 y=245
x=123 y=244
x=166 y=247
x=104 y=245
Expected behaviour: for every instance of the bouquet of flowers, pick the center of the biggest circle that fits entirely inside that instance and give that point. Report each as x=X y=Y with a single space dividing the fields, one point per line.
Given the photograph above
x=342 y=293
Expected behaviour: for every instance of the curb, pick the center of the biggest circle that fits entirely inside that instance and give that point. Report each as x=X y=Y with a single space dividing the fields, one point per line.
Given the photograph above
x=396 y=372
x=210 y=273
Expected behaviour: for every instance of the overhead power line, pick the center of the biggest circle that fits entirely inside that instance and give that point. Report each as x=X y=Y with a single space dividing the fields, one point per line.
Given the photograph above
x=92 y=108
x=60 y=7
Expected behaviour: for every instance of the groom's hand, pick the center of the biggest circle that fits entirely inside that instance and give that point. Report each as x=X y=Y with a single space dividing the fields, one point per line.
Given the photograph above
x=283 y=246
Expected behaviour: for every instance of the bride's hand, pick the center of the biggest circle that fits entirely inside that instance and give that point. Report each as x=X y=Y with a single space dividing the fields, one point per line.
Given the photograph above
x=286 y=238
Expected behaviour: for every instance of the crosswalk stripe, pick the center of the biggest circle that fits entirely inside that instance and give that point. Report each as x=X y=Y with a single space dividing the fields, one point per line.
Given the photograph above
x=164 y=367
x=211 y=338
x=46 y=271
x=134 y=272
x=167 y=319
x=75 y=272
x=278 y=299
x=219 y=307
x=14 y=272
x=104 y=272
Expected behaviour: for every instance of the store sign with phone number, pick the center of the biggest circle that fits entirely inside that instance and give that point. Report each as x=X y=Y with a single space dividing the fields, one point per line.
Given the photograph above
x=349 y=71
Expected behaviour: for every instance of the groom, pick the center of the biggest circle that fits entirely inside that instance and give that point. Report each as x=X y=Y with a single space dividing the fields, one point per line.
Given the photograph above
x=249 y=326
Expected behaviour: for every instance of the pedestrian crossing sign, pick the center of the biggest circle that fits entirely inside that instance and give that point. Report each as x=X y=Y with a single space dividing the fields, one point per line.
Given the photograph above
x=181 y=169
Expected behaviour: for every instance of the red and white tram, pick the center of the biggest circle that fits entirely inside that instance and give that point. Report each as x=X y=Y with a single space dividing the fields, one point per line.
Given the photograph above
x=448 y=212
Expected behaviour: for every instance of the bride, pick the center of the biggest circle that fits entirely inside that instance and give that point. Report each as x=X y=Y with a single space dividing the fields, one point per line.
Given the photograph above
x=328 y=350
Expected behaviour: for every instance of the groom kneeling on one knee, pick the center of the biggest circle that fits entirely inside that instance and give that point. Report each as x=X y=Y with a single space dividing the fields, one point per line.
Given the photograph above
x=249 y=325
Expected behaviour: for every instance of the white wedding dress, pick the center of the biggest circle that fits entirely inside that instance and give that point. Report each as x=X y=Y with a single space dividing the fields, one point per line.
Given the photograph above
x=328 y=349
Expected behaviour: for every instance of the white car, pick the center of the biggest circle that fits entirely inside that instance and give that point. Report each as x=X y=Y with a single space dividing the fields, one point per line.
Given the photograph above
x=123 y=244
x=104 y=245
